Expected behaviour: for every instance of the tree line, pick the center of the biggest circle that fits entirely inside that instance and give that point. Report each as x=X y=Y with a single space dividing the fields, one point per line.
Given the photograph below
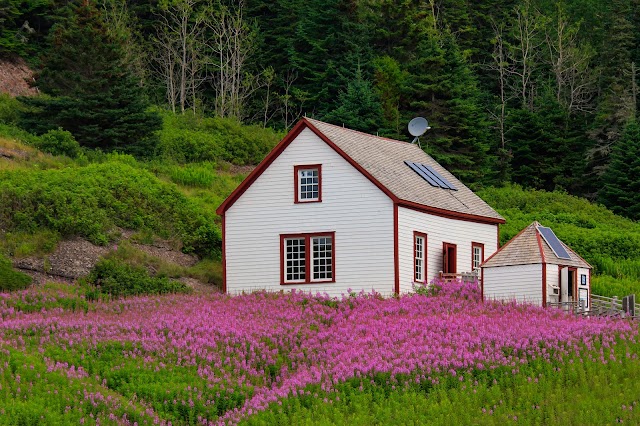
x=543 y=93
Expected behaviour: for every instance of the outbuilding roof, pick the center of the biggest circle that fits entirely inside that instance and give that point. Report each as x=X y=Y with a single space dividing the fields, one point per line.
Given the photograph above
x=382 y=161
x=529 y=247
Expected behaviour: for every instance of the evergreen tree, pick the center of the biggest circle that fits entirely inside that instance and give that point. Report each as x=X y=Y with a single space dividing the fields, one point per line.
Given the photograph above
x=444 y=90
x=621 y=190
x=359 y=107
x=91 y=91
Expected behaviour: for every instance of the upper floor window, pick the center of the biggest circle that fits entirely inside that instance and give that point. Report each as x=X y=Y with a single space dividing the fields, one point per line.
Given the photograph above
x=308 y=183
x=477 y=255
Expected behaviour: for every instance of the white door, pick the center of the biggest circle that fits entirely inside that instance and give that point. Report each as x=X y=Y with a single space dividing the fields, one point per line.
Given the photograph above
x=564 y=285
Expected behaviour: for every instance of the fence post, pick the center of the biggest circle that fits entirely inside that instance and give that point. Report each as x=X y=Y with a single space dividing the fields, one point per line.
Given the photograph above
x=629 y=305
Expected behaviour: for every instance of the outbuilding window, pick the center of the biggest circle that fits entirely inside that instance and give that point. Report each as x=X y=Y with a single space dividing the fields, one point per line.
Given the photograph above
x=308 y=183
x=307 y=258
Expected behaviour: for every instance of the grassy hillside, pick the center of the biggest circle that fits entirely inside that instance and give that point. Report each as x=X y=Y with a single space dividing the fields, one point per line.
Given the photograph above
x=609 y=242
x=46 y=196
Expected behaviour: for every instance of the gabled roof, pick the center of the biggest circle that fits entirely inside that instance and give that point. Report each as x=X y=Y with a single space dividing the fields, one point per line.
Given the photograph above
x=382 y=161
x=529 y=247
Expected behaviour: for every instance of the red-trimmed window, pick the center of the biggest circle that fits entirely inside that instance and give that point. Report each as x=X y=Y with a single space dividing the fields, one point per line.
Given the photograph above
x=477 y=255
x=308 y=183
x=307 y=258
x=419 y=257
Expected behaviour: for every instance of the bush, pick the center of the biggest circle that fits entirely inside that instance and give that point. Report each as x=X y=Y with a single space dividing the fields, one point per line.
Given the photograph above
x=59 y=142
x=120 y=279
x=11 y=279
x=10 y=109
x=189 y=138
x=90 y=201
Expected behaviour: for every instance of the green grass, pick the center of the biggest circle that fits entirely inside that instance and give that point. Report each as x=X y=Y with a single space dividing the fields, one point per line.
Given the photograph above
x=11 y=279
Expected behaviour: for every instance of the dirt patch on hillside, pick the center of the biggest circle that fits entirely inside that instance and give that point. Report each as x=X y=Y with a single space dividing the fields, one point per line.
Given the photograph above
x=74 y=258
x=15 y=77
x=71 y=260
x=166 y=253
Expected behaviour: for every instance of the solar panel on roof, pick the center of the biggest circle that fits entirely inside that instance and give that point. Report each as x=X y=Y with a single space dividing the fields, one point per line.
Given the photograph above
x=416 y=168
x=440 y=177
x=430 y=175
x=554 y=242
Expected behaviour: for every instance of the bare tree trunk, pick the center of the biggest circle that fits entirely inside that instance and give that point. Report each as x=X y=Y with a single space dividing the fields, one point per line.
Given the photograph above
x=523 y=53
x=233 y=43
x=179 y=48
x=574 y=79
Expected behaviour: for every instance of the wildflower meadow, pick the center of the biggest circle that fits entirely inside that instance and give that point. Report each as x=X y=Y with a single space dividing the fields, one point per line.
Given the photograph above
x=297 y=358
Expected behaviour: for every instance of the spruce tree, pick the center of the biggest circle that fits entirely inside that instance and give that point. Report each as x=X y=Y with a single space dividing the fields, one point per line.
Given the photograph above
x=621 y=189
x=358 y=107
x=89 y=89
x=444 y=90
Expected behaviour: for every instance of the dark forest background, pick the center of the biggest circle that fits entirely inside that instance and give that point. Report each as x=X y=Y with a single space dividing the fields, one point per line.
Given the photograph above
x=540 y=93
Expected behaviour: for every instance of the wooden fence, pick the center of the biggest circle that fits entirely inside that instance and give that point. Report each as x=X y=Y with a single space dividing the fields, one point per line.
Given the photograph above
x=602 y=306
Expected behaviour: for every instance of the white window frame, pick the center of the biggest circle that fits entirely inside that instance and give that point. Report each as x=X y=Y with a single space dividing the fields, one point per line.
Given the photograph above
x=309 y=261
x=419 y=257
x=316 y=180
x=475 y=264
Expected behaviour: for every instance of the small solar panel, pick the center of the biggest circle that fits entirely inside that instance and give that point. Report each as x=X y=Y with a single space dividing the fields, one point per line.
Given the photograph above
x=554 y=242
x=430 y=175
x=445 y=183
x=416 y=168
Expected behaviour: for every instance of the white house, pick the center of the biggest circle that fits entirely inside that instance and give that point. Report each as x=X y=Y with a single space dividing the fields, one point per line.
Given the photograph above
x=332 y=209
x=536 y=267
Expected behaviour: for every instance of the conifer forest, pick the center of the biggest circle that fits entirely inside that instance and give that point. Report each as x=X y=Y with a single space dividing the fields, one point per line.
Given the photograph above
x=541 y=93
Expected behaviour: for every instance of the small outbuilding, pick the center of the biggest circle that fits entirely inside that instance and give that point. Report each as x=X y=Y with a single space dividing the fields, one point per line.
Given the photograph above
x=536 y=267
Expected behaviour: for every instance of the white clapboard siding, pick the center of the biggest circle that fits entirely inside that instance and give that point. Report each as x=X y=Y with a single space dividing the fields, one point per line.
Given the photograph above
x=584 y=271
x=522 y=283
x=359 y=213
x=553 y=274
x=439 y=230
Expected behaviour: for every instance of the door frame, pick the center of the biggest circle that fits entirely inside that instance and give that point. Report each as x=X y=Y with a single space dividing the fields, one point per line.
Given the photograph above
x=449 y=269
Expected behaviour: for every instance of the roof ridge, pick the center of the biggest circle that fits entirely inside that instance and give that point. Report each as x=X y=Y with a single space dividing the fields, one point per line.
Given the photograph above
x=357 y=131
x=506 y=244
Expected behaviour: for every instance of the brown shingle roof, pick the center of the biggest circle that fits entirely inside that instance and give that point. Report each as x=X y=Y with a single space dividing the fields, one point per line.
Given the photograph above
x=525 y=248
x=384 y=159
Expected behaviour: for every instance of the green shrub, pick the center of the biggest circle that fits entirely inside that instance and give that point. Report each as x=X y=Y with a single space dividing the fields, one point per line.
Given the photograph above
x=591 y=230
x=59 y=142
x=11 y=279
x=200 y=175
x=117 y=279
x=188 y=138
x=90 y=201
x=605 y=285
x=9 y=109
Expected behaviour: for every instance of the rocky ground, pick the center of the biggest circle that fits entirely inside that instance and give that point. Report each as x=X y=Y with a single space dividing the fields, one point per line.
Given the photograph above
x=74 y=258
x=15 y=77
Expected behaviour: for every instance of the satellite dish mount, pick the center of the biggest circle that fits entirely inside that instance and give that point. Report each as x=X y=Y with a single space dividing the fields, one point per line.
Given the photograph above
x=418 y=127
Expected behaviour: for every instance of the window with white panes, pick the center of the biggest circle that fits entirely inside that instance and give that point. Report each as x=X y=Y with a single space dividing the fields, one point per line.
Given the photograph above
x=477 y=253
x=322 y=258
x=308 y=258
x=295 y=262
x=419 y=257
x=308 y=183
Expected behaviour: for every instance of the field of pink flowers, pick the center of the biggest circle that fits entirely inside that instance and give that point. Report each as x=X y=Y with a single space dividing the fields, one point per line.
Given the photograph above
x=217 y=359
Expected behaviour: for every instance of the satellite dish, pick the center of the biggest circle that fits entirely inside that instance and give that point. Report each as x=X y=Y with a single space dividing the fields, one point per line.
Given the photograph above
x=417 y=127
